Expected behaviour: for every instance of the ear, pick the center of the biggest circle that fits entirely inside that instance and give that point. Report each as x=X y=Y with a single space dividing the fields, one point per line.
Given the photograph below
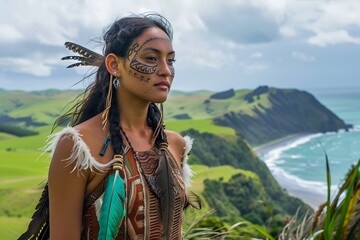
x=112 y=63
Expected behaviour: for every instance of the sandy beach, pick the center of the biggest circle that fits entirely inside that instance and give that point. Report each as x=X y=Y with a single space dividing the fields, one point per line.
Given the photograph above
x=312 y=193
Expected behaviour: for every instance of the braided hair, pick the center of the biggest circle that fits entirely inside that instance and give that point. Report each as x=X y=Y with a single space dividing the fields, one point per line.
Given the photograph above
x=92 y=101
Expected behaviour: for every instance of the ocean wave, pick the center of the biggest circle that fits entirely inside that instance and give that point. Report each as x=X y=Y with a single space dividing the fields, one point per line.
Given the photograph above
x=275 y=157
x=355 y=128
x=272 y=157
x=289 y=181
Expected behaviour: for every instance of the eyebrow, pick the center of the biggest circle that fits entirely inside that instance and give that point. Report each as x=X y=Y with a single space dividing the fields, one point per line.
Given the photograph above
x=157 y=50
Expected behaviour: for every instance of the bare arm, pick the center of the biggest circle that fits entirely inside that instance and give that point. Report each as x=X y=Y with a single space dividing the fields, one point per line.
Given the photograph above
x=66 y=194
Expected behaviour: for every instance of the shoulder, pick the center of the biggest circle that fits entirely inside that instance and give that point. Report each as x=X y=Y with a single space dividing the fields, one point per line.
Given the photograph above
x=74 y=146
x=176 y=145
x=175 y=139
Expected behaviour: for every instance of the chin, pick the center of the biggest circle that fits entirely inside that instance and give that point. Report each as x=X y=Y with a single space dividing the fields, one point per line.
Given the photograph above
x=159 y=99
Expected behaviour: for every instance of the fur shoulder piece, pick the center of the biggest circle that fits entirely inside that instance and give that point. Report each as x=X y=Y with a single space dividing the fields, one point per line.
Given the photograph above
x=187 y=173
x=80 y=156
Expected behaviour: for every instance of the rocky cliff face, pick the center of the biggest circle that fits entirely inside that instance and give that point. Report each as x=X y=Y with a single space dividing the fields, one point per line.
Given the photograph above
x=289 y=112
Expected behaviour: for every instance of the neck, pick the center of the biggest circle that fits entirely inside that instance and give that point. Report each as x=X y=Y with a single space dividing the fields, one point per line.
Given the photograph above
x=133 y=113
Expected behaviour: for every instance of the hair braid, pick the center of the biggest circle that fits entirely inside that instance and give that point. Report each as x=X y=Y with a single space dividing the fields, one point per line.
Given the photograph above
x=114 y=126
x=154 y=120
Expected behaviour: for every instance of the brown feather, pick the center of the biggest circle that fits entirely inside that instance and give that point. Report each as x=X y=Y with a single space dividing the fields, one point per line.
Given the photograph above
x=165 y=188
x=38 y=226
x=87 y=58
x=192 y=200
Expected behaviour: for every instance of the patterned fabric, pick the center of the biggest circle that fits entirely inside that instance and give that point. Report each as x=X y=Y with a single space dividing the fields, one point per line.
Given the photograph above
x=143 y=216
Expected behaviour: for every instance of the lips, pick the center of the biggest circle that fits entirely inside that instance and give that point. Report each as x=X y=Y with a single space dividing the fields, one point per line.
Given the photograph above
x=163 y=84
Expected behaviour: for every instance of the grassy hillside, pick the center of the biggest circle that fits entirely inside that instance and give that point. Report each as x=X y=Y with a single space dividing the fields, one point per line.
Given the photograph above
x=260 y=115
x=228 y=171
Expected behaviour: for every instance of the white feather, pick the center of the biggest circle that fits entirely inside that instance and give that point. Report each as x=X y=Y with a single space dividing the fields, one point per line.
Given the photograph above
x=187 y=173
x=98 y=204
x=80 y=155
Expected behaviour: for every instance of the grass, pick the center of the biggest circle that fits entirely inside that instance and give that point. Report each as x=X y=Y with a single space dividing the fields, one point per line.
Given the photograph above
x=11 y=227
x=22 y=173
x=215 y=173
x=201 y=125
x=33 y=143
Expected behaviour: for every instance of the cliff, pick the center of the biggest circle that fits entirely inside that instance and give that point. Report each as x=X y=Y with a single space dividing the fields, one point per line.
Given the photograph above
x=276 y=113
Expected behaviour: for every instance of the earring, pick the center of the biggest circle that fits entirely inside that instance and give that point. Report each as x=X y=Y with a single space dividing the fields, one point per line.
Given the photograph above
x=116 y=82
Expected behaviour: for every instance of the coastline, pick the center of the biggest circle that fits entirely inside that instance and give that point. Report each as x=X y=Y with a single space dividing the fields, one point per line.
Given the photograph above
x=312 y=193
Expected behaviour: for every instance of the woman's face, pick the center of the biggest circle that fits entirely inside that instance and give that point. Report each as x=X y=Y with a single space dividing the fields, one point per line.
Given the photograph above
x=148 y=69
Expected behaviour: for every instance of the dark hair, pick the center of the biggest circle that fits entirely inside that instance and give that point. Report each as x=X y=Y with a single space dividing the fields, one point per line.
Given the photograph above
x=117 y=40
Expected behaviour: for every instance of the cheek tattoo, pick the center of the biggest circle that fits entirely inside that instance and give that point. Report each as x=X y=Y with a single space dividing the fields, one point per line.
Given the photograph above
x=134 y=48
x=138 y=66
x=139 y=76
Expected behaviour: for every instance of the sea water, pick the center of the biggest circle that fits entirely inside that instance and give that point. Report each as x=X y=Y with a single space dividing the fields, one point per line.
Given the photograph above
x=302 y=160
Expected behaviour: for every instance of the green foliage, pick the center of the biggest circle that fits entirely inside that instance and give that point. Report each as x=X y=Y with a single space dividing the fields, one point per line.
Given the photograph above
x=337 y=218
x=216 y=197
x=17 y=131
x=201 y=125
x=212 y=150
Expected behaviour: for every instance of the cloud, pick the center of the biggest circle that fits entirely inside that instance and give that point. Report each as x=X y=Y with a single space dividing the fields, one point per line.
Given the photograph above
x=22 y=65
x=242 y=22
x=209 y=35
x=324 y=39
x=9 y=33
x=256 y=55
x=323 y=23
x=287 y=31
x=252 y=68
x=302 y=57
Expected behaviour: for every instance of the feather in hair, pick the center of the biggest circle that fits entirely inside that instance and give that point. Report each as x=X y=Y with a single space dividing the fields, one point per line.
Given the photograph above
x=165 y=189
x=113 y=206
x=87 y=58
x=39 y=224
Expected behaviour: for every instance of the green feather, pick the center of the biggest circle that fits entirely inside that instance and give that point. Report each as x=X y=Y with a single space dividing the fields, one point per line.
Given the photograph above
x=113 y=207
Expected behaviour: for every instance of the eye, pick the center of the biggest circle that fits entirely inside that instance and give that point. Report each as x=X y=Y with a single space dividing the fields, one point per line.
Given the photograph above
x=171 y=61
x=151 y=59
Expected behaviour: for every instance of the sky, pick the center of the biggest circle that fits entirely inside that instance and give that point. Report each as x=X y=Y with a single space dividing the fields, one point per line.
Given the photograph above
x=219 y=44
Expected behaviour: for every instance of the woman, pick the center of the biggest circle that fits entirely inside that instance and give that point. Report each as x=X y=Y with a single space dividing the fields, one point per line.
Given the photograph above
x=116 y=172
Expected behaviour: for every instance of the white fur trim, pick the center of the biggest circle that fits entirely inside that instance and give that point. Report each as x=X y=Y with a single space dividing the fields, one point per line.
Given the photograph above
x=80 y=154
x=187 y=173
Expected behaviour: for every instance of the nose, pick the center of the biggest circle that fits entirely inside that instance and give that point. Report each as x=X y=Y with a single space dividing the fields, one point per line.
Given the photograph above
x=165 y=69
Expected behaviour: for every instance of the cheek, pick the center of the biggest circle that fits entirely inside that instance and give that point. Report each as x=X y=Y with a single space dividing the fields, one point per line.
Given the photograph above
x=139 y=76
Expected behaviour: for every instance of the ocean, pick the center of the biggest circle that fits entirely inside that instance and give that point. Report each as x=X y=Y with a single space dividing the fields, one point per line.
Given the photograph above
x=301 y=160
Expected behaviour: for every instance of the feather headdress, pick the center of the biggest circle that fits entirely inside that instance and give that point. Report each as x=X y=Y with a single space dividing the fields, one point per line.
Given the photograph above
x=90 y=58
x=87 y=58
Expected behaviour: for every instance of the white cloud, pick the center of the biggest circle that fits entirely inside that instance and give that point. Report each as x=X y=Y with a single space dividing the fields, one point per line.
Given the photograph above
x=9 y=33
x=22 y=65
x=252 y=68
x=287 y=31
x=320 y=21
x=35 y=64
x=256 y=55
x=208 y=33
x=324 y=39
x=214 y=59
x=302 y=57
